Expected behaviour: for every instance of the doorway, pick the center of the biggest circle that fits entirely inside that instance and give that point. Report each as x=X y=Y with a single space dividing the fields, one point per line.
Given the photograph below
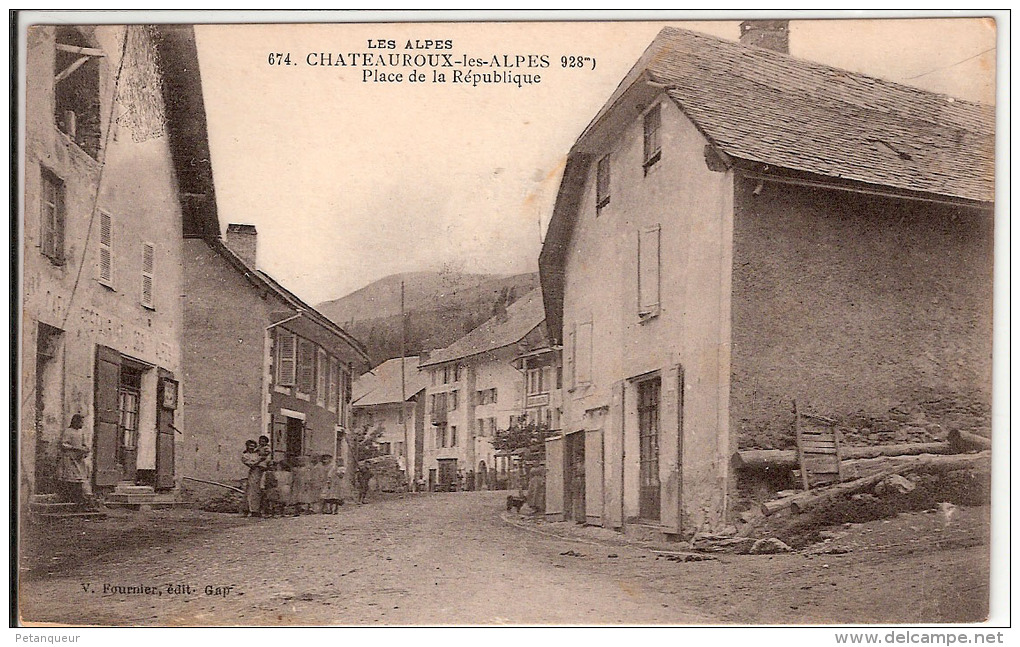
x=48 y=407
x=648 y=433
x=129 y=398
x=295 y=438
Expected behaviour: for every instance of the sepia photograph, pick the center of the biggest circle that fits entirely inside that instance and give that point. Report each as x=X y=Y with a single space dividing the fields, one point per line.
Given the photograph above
x=575 y=319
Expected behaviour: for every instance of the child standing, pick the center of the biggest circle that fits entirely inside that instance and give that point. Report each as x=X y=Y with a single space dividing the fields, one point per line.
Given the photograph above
x=331 y=499
x=299 y=485
x=318 y=481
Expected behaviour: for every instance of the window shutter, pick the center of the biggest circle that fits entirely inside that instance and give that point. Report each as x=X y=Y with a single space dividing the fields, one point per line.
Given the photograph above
x=648 y=271
x=105 y=248
x=602 y=183
x=583 y=341
x=571 y=356
x=321 y=368
x=285 y=354
x=334 y=382
x=653 y=146
x=306 y=366
x=148 y=273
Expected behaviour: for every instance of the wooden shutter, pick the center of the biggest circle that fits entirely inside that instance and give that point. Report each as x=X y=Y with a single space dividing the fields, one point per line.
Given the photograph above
x=571 y=361
x=602 y=183
x=285 y=354
x=554 y=477
x=107 y=417
x=148 y=273
x=648 y=271
x=164 y=433
x=653 y=145
x=321 y=369
x=305 y=366
x=583 y=352
x=593 y=477
x=105 y=248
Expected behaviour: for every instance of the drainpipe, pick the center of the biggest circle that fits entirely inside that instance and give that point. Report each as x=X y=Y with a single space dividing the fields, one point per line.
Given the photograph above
x=266 y=368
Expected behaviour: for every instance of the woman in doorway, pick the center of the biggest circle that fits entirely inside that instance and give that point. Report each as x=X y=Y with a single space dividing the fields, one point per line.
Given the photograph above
x=72 y=471
x=253 y=487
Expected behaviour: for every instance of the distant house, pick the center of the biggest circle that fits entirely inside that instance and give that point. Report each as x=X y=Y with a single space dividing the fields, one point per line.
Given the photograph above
x=738 y=228
x=115 y=151
x=397 y=410
x=259 y=361
x=474 y=390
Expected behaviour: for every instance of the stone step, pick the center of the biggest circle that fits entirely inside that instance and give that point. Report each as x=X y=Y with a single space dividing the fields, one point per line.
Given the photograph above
x=134 y=489
x=55 y=506
x=45 y=498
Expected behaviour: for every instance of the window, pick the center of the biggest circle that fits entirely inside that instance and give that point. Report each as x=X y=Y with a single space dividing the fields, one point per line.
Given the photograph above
x=486 y=396
x=286 y=354
x=653 y=145
x=481 y=426
x=458 y=373
x=559 y=377
x=321 y=369
x=305 y=367
x=537 y=383
x=453 y=436
x=76 y=90
x=602 y=184
x=384 y=449
x=648 y=437
x=582 y=353
x=648 y=272
x=495 y=399
x=105 y=269
x=452 y=401
x=433 y=374
x=492 y=426
x=148 y=274
x=51 y=235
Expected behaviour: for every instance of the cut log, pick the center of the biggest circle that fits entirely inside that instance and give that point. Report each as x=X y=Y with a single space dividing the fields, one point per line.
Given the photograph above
x=964 y=441
x=883 y=467
x=786 y=459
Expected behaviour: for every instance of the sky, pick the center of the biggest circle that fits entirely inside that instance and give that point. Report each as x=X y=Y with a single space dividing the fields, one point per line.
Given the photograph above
x=349 y=181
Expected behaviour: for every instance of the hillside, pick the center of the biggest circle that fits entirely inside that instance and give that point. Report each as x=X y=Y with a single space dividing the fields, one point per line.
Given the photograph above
x=441 y=307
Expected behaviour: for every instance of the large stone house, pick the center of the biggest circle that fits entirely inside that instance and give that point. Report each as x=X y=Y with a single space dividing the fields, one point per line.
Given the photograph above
x=738 y=228
x=115 y=151
x=259 y=361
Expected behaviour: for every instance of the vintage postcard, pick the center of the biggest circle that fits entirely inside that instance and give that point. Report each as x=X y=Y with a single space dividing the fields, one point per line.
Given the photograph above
x=374 y=319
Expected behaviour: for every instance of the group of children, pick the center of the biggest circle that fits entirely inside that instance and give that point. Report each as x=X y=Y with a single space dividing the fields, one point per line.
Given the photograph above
x=303 y=485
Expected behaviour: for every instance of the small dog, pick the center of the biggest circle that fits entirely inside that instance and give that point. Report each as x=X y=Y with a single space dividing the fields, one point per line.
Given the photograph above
x=515 y=503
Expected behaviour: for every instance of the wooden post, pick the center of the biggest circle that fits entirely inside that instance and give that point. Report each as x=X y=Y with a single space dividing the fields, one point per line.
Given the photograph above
x=800 y=446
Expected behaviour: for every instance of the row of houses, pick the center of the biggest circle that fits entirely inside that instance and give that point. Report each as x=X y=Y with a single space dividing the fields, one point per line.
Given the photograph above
x=456 y=398
x=136 y=313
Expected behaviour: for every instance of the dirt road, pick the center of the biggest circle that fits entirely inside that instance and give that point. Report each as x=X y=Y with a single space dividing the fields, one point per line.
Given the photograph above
x=450 y=559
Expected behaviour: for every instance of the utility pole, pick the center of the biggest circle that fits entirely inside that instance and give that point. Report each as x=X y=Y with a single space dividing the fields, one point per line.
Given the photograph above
x=403 y=387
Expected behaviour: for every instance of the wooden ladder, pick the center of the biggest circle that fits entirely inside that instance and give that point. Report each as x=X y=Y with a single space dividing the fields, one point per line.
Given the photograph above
x=818 y=449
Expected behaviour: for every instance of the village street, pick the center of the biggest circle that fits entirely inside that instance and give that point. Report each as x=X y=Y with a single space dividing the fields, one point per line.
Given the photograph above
x=454 y=559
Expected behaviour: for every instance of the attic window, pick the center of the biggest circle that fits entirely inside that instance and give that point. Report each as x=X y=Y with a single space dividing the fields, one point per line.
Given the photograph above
x=653 y=145
x=602 y=185
x=76 y=90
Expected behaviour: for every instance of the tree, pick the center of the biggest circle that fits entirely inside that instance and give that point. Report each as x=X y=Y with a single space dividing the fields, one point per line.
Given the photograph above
x=363 y=442
x=523 y=434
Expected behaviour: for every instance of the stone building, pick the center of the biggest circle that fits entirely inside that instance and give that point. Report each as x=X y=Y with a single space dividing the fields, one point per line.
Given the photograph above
x=259 y=361
x=737 y=228
x=115 y=151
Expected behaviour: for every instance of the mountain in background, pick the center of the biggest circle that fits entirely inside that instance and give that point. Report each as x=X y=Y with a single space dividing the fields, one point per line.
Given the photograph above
x=440 y=307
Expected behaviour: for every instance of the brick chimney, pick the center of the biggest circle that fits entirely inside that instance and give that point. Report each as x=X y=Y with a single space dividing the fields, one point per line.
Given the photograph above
x=243 y=241
x=769 y=34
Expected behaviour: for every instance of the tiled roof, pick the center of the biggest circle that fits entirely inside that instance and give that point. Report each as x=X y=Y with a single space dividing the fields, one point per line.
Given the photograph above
x=764 y=106
x=381 y=385
x=522 y=316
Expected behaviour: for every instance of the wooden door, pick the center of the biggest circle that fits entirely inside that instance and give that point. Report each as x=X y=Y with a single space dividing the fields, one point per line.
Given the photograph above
x=107 y=417
x=447 y=472
x=593 y=502
x=575 y=496
x=648 y=433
